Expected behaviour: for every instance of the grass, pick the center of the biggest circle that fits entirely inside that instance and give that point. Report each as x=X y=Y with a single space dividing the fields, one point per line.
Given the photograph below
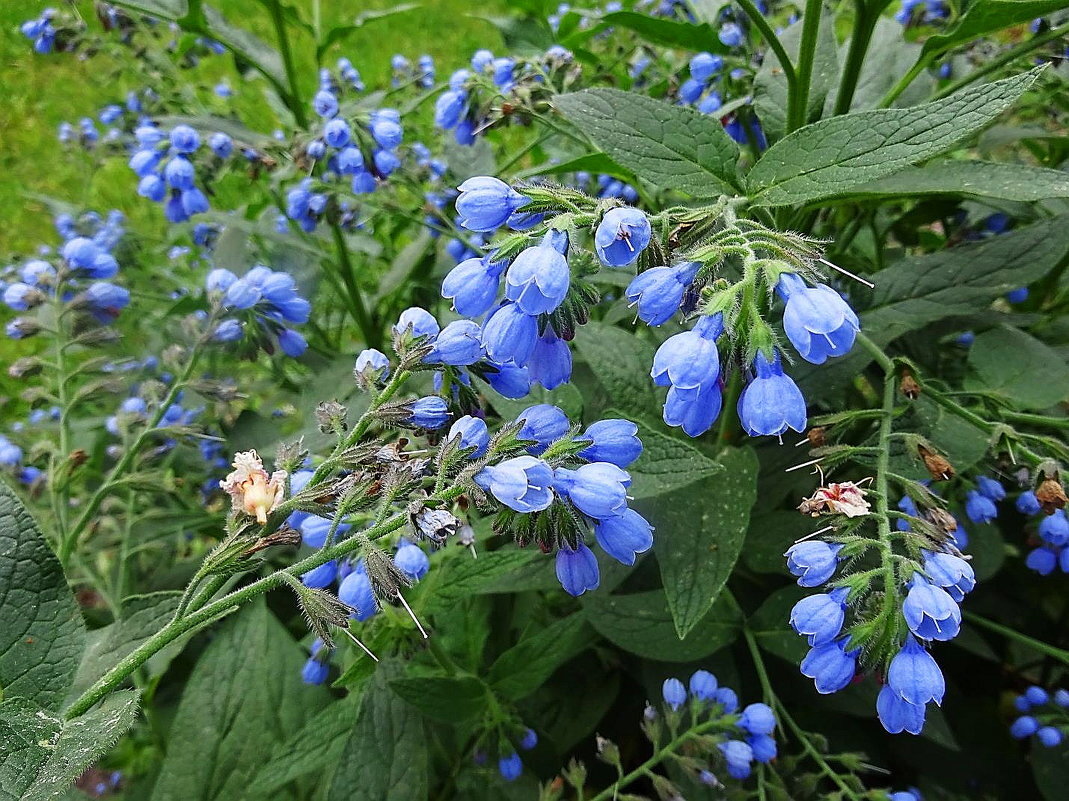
x=40 y=92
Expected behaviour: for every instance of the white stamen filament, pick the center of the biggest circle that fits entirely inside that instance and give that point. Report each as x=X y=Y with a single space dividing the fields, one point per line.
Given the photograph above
x=412 y=615
x=803 y=464
x=847 y=273
x=363 y=647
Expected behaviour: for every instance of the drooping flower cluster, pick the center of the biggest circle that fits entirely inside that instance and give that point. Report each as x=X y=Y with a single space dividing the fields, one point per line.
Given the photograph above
x=838 y=623
x=164 y=163
x=1044 y=716
x=77 y=273
x=260 y=305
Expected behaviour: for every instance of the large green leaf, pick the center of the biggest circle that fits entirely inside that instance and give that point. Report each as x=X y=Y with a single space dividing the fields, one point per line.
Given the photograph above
x=41 y=755
x=671 y=147
x=700 y=531
x=668 y=462
x=980 y=178
x=889 y=57
x=41 y=629
x=771 y=629
x=313 y=748
x=141 y=616
x=449 y=699
x=668 y=32
x=770 y=83
x=916 y=292
x=621 y=363
x=987 y=16
x=830 y=157
x=385 y=758
x=489 y=572
x=244 y=698
x=642 y=624
x=1018 y=367
x=525 y=666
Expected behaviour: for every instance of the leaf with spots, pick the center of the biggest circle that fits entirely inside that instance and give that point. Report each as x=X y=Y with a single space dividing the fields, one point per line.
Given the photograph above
x=672 y=147
x=699 y=534
x=41 y=629
x=41 y=755
x=830 y=157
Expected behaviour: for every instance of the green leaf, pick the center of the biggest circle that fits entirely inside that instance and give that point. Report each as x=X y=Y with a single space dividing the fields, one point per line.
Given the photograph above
x=671 y=147
x=1018 y=367
x=621 y=363
x=569 y=706
x=771 y=629
x=449 y=699
x=490 y=572
x=668 y=32
x=701 y=529
x=404 y=264
x=524 y=667
x=1050 y=768
x=770 y=533
x=890 y=56
x=385 y=758
x=41 y=755
x=979 y=178
x=314 y=748
x=341 y=32
x=641 y=624
x=141 y=617
x=243 y=699
x=668 y=463
x=41 y=628
x=986 y=16
x=830 y=157
x=770 y=83
x=916 y=292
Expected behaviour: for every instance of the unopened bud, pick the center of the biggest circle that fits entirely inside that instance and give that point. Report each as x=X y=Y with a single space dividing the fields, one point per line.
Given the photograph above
x=942 y=519
x=22 y=327
x=575 y=773
x=291 y=455
x=25 y=367
x=330 y=417
x=386 y=578
x=608 y=751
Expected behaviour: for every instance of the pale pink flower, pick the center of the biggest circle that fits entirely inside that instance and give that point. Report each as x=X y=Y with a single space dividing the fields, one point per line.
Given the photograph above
x=846 y=498
x=251 y=489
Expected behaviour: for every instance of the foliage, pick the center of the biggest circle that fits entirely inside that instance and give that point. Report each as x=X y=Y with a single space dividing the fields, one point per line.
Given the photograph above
x=532 y=336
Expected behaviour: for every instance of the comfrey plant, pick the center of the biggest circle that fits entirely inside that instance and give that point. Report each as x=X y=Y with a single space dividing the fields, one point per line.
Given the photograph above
x=539 y=320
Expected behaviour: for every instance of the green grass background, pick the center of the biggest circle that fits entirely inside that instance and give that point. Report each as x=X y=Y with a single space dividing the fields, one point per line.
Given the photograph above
x=40 y=92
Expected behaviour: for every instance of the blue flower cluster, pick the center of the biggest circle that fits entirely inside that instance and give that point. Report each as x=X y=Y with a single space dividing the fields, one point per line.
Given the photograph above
x=1044 y=716
x=742 y=737
x=930 y=613
x=509 y=764
x=163 y=161
x=1053 y=531
x=697 y=90
x=41 y=31
x=261 y=304
x=78 y=274
x=595 y=488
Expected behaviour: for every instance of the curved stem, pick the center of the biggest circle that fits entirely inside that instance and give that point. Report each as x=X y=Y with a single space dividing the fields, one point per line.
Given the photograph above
x=295 y=105
x=1049 y=650
x=903 y=83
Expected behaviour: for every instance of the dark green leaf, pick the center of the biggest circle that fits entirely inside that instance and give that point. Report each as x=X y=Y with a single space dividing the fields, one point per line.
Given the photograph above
x=890 y=56
x=525 y=666
x=141 y=616
x=771 y=629
x=958 y=281
x=668 y=32
x=770 y=83
x=568 y=707
x=671 y=147
x=668 y=462
x=41 y=755
x=1018 y=367
x=313 y=748
x=980 y=178
x=243 y=700
x=641 y=623
x=1050 y=767
x=700 y=534
x=41 y=629
x=490 y=572
x=621 y=363
x=769 y=535
x=830 y=157
x=385 y=758
x=404 y=264
x=449 y=699
x=987 y=16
